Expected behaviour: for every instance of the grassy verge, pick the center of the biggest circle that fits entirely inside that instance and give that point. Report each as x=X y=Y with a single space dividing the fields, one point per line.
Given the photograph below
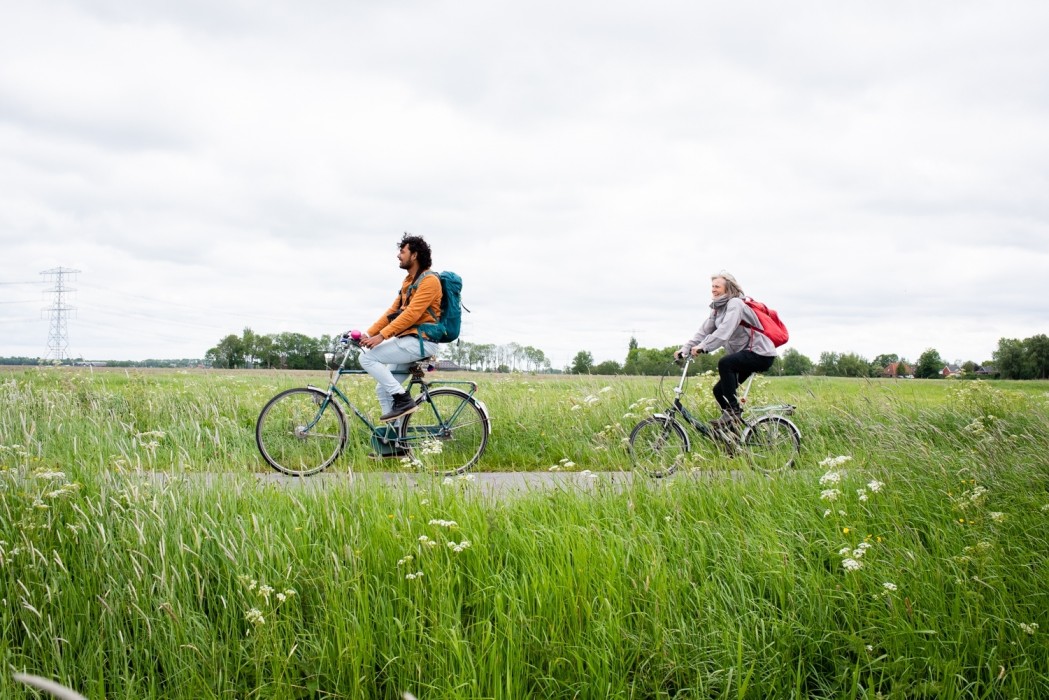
x=907 y=557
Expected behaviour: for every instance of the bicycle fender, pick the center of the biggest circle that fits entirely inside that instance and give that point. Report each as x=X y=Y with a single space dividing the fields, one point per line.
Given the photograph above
x=484 y=410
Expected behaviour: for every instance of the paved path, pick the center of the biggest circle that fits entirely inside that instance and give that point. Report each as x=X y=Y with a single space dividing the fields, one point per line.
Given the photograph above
x=498 y=484
x=494 y=483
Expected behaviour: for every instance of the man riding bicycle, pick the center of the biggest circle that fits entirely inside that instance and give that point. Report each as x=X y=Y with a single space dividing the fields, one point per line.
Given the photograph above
x=394 y=341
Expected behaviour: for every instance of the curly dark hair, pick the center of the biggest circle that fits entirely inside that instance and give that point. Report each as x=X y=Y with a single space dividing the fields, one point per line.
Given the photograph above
x=417 y=245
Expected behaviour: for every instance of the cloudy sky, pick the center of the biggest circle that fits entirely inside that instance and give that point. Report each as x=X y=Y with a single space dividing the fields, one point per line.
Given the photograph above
x=876 y=171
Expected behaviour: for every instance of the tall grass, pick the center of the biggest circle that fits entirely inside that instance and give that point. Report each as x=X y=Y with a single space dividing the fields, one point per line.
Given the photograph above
x=186 y=421
x=906 y=557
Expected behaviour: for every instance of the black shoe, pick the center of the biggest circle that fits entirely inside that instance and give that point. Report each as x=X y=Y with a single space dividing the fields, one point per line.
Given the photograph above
x=731 y=419
x=402 y=406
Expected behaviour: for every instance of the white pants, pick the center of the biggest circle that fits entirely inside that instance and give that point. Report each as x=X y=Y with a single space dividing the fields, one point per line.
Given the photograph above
x=388 y=364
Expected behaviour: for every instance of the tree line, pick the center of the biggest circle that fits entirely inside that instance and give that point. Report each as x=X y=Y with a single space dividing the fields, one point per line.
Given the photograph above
x=298 y=351
x=1014 y=359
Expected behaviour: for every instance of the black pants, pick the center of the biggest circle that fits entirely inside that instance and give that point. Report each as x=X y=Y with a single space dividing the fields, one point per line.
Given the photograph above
x=734 y=369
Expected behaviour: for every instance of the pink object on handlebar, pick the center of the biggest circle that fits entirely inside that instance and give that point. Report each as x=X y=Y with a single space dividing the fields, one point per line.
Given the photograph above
x=356 y=335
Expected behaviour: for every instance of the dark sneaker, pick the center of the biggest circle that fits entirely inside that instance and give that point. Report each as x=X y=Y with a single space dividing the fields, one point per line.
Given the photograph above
x=402 y=406
x=729 y=420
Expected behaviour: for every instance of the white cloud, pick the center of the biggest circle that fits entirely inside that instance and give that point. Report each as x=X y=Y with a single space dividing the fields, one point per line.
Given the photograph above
x=875 y=172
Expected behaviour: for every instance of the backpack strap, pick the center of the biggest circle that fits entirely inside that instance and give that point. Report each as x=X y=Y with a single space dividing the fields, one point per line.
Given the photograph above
x=404 y=304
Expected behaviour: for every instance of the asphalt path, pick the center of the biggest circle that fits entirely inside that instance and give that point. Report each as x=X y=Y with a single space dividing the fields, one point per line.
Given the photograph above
x=491 y=483
x=488 y=484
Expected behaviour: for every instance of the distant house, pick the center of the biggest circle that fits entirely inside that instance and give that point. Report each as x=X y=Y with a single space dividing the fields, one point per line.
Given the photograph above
x=447 y=366
x=951 y=371
x=987 y=370
x=896 y=370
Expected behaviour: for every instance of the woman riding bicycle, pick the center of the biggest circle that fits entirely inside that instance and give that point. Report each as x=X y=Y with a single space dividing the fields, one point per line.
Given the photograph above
x=735 y=327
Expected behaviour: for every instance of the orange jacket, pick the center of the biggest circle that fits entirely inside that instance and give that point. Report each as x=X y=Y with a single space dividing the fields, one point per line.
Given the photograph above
x=423 y=306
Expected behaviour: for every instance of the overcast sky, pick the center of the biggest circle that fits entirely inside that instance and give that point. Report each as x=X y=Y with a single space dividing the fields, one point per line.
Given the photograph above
x=878 y=172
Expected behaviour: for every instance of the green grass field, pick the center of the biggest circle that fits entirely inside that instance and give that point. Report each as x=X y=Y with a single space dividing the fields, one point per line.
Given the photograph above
x=905 y=557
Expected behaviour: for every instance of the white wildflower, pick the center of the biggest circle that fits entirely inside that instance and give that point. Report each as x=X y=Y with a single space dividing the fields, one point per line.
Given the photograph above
x=1029 y=628
x=889 y=586
x=412 y=577
x=996 y=516
x=830 y=495
x=450 y=524
x=832 y=462
x=875 y=486
x=254 y=616
x=851 y=565
x=50 y=476
x=830 y=479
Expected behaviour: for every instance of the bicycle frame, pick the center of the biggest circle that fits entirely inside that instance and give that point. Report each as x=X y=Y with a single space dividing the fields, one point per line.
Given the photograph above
x=416 y=374
x=698 y=425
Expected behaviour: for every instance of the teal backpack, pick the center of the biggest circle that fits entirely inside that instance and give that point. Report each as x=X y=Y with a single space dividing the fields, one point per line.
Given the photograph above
x=447 y=328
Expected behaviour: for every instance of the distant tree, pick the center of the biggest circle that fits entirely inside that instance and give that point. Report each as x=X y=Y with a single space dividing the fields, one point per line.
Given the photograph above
x=1009 y=358
x=652 y=361
x=630 y=365
x=793 y=363
x=298 y=351
x=884 y=360
x=582 y=363
x=536 y=358
x=828 y=364
x=930 y=365
x=228 y=354
x=607 y=367
x=1037 y=351
x=852 y=365
x=250 y=342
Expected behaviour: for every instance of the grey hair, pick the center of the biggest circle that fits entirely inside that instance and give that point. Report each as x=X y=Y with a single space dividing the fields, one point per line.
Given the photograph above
x=732 y=288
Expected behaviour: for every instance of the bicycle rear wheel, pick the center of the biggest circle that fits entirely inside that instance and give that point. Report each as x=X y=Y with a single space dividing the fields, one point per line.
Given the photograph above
x=301 y=431
x=771 y=443
x=658 y=446
x=448 y=432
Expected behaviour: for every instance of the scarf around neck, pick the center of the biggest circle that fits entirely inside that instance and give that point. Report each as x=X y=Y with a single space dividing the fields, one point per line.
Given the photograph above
x=719 y=302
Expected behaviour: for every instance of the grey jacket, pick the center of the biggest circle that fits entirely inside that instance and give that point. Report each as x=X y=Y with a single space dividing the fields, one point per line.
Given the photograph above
x=723 y=328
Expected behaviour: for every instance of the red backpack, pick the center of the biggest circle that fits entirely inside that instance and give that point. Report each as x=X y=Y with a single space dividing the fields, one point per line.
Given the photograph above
x=770 y=323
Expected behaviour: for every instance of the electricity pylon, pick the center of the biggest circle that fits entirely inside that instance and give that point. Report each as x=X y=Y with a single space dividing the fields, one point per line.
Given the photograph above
x=58 y=337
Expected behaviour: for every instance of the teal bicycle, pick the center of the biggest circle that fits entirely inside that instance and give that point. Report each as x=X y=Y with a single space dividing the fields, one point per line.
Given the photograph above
x=302 y=431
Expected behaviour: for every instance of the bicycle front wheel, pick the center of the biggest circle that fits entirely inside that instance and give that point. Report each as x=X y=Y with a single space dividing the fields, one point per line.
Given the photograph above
x=448 y=432
x=301 y=431
x=658 y=446
x=771 y=443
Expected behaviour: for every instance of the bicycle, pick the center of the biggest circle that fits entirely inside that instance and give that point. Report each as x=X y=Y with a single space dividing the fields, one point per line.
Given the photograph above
x=767 y=439
x=301 y=431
